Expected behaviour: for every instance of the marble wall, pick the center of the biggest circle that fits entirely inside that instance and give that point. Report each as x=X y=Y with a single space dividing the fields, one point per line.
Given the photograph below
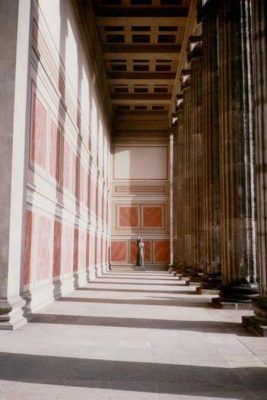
x=67 y=201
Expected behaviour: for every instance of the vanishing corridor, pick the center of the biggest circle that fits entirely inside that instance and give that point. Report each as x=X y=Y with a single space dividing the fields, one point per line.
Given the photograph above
x=133 y=335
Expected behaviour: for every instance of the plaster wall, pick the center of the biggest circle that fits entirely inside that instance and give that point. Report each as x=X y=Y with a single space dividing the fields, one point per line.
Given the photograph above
x=140 y=201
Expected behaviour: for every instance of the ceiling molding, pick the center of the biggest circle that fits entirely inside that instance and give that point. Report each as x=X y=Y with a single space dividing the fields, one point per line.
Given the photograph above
x=191 y=22
x=89 y=36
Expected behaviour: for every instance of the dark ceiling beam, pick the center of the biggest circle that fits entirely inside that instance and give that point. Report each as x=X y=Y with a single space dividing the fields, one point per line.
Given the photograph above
x=133 y=12
x=141 y=56
x=141 y=75
x=141 y=48
x=154 y=22
x=141 y=96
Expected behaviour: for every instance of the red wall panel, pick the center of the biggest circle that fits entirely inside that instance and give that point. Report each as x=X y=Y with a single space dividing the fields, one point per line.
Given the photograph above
x=57 y=249
x=28 y=246
x=55 y=152
x=162 y=251
x=128 y=216
x=44 y=248
x=76 y=249
x=118 y=250
x=39 y=133
x=152 y=217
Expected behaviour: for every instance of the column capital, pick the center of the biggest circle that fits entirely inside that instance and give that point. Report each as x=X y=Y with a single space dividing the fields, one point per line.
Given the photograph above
x=210 y=7
x=185 y=78
x=179 y=102
x=194 y=49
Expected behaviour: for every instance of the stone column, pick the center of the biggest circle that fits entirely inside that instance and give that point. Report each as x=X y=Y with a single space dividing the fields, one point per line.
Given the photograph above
x=211 y=164
x=174 y=195
x=236 y=155
x=258 y=323
x=15 y=23
x=187 y=171
x=179 y=184
x=195 y=57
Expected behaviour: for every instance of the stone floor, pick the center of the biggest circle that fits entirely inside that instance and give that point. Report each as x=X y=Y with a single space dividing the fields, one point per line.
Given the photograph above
x=133 y=335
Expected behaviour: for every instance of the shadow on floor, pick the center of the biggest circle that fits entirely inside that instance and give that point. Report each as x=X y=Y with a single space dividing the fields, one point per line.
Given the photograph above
x=195 y=326
x=146 y=302
x=138 y=274
x=134 y=376
x=137 y=291
x=177 y=283
x=172 y=279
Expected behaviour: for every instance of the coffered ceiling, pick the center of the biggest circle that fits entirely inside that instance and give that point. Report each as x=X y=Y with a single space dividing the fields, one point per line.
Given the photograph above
x=143 y=45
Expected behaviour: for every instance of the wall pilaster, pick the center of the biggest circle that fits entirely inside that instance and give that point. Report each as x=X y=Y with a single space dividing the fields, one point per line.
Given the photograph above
x=15 y=23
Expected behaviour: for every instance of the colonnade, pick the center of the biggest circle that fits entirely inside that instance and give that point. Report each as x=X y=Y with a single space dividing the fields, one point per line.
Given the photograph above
x=220 y=131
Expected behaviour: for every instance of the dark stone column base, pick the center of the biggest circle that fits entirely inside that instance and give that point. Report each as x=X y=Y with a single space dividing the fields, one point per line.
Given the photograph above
x=258 y=322
x=195 y=279
x=255 y=325
x=236 y=295
x=201 y=290
x=211 y=282
x=188 y=272
x=193 y=282
x=179 y=276
x=230 y=305
x=178 y=270
x=171 y=268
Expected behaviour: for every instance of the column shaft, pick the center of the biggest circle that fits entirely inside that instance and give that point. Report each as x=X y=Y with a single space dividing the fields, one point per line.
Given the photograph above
x=260 y=84
x=258 y=323
x=236 y=155
x=175 y=195
x=211 y=144
x=172 y=219
x=197 y=161
x=180 y=186
x=187 y=178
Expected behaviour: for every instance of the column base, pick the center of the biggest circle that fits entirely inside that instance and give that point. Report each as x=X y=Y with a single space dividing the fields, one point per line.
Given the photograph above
x=193 y=282
x=12 y=313
x=211 y=281
x=98 y=271
x=258 y=322
x=184 y=273
x=230 y=305
x=188 y=272
x=195 y=278
x=236 y=295
x=178 y=270
x=255 y=325
x=104 y=268
x=201 y=290
x=172 y=268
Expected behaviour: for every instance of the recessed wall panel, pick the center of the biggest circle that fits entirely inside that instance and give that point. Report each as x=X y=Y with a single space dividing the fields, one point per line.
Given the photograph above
x=140 y=163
